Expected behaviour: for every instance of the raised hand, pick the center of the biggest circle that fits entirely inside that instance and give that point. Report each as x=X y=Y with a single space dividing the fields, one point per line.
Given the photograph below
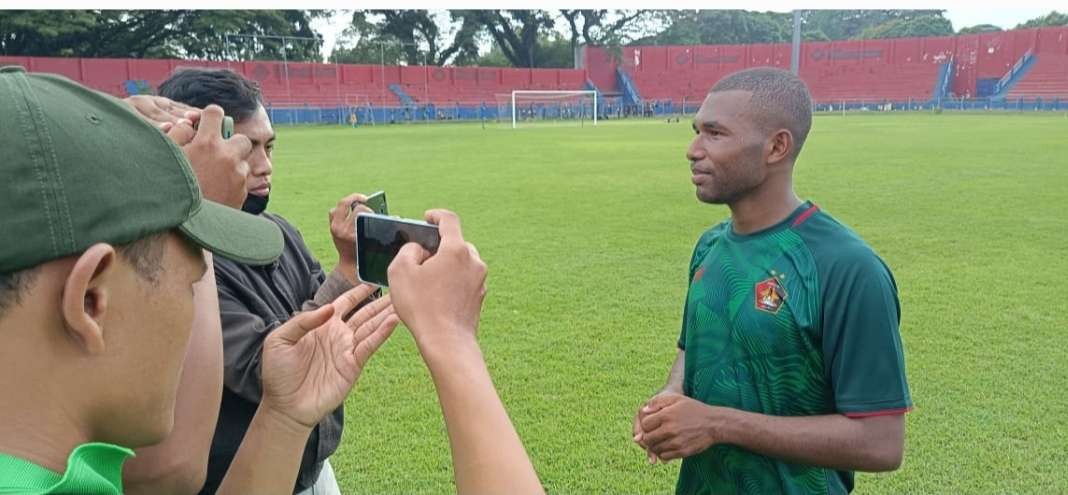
x=312 y=362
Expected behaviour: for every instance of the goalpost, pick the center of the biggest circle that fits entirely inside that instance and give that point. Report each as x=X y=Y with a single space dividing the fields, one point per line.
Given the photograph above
x=560 y=104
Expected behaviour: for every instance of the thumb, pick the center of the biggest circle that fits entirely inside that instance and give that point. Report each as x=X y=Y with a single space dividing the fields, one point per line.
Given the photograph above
x=410 y=255
x=299 y=326
x=659 y=402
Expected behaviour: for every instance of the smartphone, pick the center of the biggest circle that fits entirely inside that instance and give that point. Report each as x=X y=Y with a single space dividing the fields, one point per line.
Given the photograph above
x=227 y=127
x=379 y=238
x=376 y=202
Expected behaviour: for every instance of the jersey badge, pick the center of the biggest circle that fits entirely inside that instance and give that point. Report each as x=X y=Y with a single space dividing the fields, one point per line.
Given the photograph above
x=770 y=295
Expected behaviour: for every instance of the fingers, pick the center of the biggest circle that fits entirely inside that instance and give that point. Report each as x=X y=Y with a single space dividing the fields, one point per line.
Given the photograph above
x=240 y=144
x=672 y=454
x=159 y=110
x=346 y=302
x=448 y=225
x=651 y=422
x=180 y=132
x=369 y=344
x=661 y=401
x=654 y=438
x=211 y=122
x=376 y=308
x=301 y=324
x=370 y=322
x=411 y=254
x=351 y=201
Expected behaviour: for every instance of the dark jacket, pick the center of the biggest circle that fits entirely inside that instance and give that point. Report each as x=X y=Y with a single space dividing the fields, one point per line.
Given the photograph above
x=253 y=300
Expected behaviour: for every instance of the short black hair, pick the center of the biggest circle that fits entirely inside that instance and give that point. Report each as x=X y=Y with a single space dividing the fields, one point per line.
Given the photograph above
x=238 y=97
x=780 y=100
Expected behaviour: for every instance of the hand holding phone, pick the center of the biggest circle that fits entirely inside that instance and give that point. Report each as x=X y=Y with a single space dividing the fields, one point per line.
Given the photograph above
x=439 y=294
x=378 y=240
x=375 y=201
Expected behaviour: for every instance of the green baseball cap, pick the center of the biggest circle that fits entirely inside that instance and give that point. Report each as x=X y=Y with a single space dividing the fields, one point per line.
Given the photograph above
x=80 y=167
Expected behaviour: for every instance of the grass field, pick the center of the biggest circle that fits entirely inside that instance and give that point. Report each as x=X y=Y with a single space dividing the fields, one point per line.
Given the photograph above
x=588 y=231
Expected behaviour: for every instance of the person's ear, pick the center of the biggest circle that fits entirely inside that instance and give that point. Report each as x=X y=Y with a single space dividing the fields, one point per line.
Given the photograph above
x=86 y=297
x=779 y=146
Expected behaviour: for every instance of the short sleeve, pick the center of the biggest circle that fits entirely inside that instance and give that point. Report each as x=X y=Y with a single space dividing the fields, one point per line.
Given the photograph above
x=862 y=348
x=699 y=250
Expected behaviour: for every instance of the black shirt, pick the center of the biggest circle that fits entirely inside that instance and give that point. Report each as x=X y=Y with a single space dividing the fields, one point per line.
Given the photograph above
x=254 y=300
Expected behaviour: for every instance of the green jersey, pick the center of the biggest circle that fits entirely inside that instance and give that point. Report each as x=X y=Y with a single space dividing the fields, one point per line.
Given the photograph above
x=92 y=469
x=800 y=319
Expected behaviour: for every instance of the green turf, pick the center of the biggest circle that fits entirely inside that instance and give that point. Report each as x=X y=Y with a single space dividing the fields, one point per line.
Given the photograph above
x=588 y=231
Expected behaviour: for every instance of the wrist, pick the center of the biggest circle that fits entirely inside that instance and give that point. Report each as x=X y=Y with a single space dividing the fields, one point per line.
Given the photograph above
x=721 y=422
x=445 y=346
x=281 y=423
x=347 y=269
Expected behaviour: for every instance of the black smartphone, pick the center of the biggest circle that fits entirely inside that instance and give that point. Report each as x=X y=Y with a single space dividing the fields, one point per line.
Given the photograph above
x=379 y=238
x=376 y=202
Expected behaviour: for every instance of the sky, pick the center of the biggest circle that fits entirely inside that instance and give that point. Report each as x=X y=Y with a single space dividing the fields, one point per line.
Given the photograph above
x=1004 y=17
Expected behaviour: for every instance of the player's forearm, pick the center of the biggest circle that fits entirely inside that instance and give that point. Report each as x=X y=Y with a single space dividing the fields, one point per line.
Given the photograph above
x=832 y=441
x=269 y=456
x=488 y=456
x=179 y=464
x=675 y=376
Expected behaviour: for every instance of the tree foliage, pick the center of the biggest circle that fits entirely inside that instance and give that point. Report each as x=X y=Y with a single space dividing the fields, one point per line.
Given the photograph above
x=1054 y=18
x=159 y=33
x=906 y=28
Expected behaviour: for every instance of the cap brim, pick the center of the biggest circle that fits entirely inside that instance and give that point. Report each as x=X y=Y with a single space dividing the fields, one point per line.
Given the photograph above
x=234 y=234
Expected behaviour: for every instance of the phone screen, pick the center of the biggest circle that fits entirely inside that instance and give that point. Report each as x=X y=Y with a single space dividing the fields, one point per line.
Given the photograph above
x=379 y=238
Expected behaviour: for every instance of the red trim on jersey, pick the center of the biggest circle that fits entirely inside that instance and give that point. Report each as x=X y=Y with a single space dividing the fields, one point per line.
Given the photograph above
x=804 y=215
x=884 y=412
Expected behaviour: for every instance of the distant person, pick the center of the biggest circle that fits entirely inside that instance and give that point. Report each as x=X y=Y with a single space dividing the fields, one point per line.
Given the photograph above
x=256 y=299
x=107 y=226
x=790 y=373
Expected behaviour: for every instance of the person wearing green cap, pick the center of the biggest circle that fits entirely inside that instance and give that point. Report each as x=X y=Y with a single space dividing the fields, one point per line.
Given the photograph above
x=104 y=226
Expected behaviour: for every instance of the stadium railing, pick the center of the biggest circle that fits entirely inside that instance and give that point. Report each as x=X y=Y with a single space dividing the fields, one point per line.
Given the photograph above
x=612 y=108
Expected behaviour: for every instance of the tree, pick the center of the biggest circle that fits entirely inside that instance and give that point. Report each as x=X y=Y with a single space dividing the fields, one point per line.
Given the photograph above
x=155 y=33
x=1054 y=18
x=415 y=35
x=740 y=26
x=721 y=27
x=907 y=28
x=515 y=32
x=603 y=27
x=851 y=24
x=980 y=28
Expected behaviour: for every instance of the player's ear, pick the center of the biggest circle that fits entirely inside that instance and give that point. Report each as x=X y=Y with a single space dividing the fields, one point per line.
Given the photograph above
x=86 y=295
x=778 y=147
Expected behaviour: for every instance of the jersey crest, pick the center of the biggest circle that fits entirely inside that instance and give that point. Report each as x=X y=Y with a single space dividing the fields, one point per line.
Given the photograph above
x=769 y=295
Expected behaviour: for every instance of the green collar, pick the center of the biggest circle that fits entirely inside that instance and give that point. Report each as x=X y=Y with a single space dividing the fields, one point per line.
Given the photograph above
x=92 y=469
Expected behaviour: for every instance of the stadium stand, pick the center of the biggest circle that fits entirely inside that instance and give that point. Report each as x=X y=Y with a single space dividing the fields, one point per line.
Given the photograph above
x=1010 y=65
x=1047 y=79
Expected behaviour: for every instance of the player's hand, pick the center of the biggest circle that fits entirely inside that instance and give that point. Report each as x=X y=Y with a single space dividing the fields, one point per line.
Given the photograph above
x=158 y=110
x=312 y=361
x=675 y=426
x=221 y=165
x=637 y=432
x=342 y=218
x=439 y=297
